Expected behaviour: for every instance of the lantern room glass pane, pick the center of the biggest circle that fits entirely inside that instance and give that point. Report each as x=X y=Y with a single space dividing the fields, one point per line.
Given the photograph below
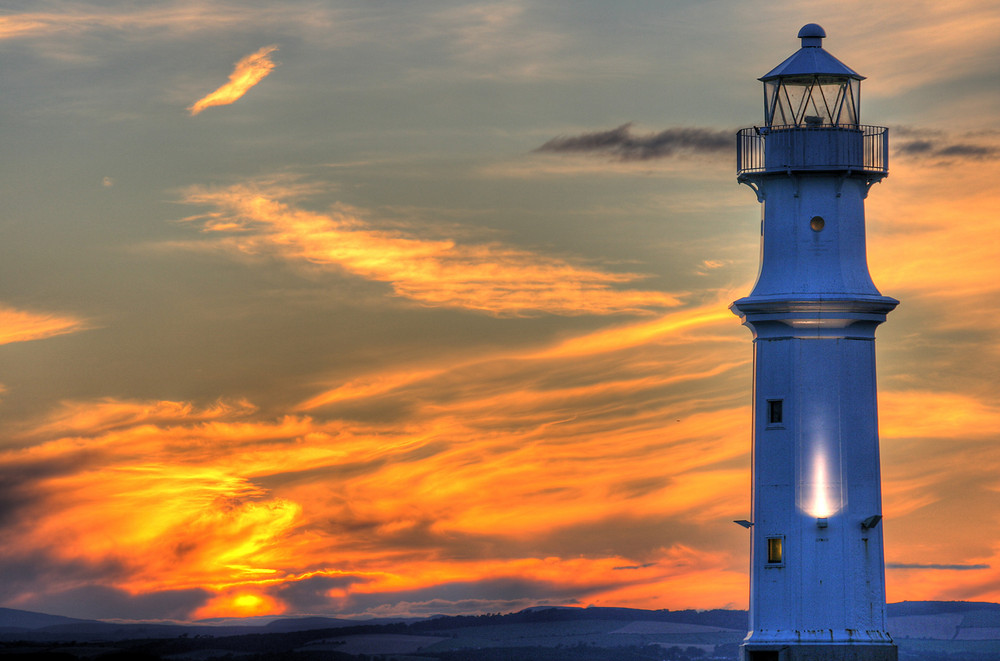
x=770 y=97
x=815 y=111
x=854 y=86
x=834 y=94
x=811 y=101
x=792 y=97
x=840 y=97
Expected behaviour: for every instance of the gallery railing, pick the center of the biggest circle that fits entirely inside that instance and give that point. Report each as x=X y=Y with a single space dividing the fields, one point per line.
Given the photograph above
x=790 y=149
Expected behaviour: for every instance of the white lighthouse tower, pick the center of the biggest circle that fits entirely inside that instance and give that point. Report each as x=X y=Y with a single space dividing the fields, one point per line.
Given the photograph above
x=817 y=572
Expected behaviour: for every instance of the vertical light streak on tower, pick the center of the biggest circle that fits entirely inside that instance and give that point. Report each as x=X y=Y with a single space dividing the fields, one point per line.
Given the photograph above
x=823 y=495
x=820 y=492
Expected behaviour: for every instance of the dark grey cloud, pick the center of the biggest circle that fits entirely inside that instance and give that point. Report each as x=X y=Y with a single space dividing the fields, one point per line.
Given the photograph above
x=969 y=151
x=627 y=146
x=916 y=147
x=945 y=148
x=491 y=595
x=310 y=595
x=107 y=603
x=638 y=538
x=40 y=580
x=917 y=565
x=29 y=573
x=640 y=487
x=20 y=480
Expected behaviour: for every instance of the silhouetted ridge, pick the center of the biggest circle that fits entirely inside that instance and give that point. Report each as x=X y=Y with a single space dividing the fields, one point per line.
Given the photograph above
x=937 y=607
x=11 y=618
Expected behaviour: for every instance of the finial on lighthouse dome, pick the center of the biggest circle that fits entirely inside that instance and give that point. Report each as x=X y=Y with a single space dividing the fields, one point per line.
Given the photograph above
x=812 y=35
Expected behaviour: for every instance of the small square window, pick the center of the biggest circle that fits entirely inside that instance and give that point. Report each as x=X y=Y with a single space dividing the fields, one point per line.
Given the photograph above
x=774 y=411
x=775 y=551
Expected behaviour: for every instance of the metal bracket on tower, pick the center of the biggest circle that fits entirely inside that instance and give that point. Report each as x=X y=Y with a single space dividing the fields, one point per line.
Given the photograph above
x=869 y=182
x=755 y=187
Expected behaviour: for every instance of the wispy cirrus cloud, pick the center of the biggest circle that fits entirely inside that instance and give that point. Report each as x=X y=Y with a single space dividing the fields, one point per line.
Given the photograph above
x=23 y=326
x=248 y=72
x=622 y=144
x=488 y=277
x=163 y=20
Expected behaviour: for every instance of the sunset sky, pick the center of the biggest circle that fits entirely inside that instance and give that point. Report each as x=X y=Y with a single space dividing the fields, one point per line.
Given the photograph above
x=395 y=308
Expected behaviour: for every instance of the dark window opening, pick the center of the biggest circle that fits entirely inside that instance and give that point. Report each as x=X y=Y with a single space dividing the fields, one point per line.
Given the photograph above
x=775 y=551
x=774 y=411
x=765 y=656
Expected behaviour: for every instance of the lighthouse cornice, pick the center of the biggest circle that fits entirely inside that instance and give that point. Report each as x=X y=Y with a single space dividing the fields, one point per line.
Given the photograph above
x=777 y=317
x=818 y=303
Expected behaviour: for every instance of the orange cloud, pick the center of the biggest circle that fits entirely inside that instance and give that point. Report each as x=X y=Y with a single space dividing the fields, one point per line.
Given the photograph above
x=153 y=22
x=937 y=414
x=23 y=326
x=96 y=417
x=501 y=468
x=495 y=461
x=492 y=278
x=181 y=504
x=928 y=228
x=248 y=72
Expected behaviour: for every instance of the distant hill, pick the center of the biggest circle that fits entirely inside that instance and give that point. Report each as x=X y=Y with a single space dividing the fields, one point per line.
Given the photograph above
x=17 y=619
x=312 y=623
x=937 y=607
x=924 y=631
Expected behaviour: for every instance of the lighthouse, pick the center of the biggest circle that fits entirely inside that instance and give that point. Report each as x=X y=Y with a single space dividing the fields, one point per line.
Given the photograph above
x=817 y=573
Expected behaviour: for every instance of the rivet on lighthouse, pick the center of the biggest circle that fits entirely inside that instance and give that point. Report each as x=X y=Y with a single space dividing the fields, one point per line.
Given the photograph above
x=817 y=573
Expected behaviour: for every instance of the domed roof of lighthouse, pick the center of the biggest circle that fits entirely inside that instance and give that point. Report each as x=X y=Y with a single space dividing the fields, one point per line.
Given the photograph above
x=812 y=88
x=811 y=59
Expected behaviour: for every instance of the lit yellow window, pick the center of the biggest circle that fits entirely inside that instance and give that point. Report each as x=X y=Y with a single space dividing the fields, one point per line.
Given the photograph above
x=775 y=555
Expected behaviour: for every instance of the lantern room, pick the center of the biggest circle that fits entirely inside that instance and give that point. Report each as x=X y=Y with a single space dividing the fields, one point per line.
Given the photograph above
x=812 y=88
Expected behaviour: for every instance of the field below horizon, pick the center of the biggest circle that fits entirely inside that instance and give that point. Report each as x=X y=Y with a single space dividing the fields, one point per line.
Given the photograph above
x=950 y=631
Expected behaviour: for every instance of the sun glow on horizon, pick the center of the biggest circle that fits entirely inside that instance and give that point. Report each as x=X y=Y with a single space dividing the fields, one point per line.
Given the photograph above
x=240 y=604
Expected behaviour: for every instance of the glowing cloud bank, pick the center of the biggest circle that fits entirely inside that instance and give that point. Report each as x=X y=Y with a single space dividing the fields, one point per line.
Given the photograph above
x=248 y=72
x=234 y=512
x=22 y=326
x=491 y=277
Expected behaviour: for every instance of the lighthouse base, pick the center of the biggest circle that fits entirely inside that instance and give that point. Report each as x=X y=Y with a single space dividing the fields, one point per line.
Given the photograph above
x=819 y=652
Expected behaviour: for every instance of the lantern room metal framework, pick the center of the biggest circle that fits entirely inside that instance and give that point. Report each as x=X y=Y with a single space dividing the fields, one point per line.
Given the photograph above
x=817 y=569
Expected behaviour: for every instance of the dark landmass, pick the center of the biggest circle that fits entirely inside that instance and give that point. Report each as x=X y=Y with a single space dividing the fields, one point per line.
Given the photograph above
x=942 y=631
